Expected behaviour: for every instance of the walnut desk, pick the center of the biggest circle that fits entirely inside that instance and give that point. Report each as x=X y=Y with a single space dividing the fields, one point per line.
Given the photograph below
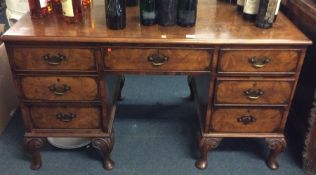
x=69 y=76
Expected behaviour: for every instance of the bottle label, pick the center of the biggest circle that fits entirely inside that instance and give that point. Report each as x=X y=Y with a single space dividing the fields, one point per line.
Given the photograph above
x=43 y=3
x=278 y=7
x=67 y=8
x=241 y=2
x=251 y=7
x=149 y=15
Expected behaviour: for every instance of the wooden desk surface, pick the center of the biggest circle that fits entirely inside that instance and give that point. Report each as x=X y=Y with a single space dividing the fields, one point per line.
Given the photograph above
x=217 y=23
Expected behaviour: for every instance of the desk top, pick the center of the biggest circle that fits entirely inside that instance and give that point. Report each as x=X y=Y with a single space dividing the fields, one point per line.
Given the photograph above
x=217 y=23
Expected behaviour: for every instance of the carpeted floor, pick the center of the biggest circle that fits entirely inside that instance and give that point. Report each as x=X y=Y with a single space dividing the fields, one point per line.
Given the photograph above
x=155 y=129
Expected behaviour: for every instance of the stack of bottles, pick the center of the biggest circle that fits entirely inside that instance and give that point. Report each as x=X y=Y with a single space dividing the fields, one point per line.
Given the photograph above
x=162 y=12
x=263 y=12
x=70 y=9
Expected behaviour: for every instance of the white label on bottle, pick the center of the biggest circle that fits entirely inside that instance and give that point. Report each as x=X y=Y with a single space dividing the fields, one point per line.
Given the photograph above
x=251 y=7
x=43 y=3
x=278 y=7
x=241 y=2
x=67 y=8
x=149 y=15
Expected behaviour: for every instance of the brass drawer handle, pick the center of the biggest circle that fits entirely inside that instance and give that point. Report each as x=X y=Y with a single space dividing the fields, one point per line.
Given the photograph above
x=65 y=117
x=59 y=90
x=157 y=60
x=259 y=62
x=246 y=119
x=253 y=94
x=55 y=59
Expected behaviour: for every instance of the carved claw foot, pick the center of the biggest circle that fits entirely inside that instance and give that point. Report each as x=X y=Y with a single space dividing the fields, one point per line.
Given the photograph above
x=33 y=146
x=120 y=98
x=276 y=145
x=191 y=96
x=206 y=144
x=105 y=146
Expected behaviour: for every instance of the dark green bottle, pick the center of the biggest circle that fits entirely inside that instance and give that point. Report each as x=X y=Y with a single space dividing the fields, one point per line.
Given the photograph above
x=148 y=12
x=266 y=13
x=187 y=10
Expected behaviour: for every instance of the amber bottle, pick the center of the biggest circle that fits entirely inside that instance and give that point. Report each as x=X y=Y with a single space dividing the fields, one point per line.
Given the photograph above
x=71 y=10
x=38 y=8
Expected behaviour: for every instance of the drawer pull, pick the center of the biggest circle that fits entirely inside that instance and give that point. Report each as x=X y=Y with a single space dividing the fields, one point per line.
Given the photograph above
x=59 y=90
x=55 y=59
x=246 y=119
x=259 y=62
x=253 y=94
x=65 y=117
x=157 y=60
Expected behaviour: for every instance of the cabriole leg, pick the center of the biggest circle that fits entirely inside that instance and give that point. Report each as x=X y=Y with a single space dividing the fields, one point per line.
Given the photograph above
x=33 y=146
x=105 y=146
x=206 y=144
x=276 y=145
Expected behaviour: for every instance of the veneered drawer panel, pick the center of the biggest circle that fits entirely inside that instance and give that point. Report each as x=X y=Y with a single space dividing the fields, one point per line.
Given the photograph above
x=158 y=59
x=253 y=91
x=60 y=88
x=246 y=120
x=258 y=61
x=66 y=117
x=54 y=59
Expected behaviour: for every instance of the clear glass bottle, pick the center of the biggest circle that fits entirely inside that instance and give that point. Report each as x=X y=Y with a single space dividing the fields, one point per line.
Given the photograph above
x=71 y=10
x=86 y=4
x=116 y=14
x=187 y=10
x=38 y=8
x=148 y=12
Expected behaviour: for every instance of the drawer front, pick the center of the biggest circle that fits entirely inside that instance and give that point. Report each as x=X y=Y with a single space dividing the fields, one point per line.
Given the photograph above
x=158 y=59
x=59 y=88
x=54 y=59
x=265 y=61
x=66 y=117
x=253 y=92
x=246 y=120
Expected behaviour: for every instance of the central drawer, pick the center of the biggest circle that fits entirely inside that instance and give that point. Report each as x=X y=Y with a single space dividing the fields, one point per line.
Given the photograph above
x=256 y=91
x=66 y=117
x=145 y=59
x=59 y=88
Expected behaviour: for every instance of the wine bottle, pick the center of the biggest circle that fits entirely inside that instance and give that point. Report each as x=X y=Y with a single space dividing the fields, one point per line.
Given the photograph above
x=86 y=4
x=116 y=14
x=167 y=12
x=187 y=10
x=240 y=5
x=251 y=8
x=56 y=4
x=38 y=8
x=265 y=17
x=49 y=7
x=277 y=10
x=131 y=3
x=148 y=12
x=71 y=10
